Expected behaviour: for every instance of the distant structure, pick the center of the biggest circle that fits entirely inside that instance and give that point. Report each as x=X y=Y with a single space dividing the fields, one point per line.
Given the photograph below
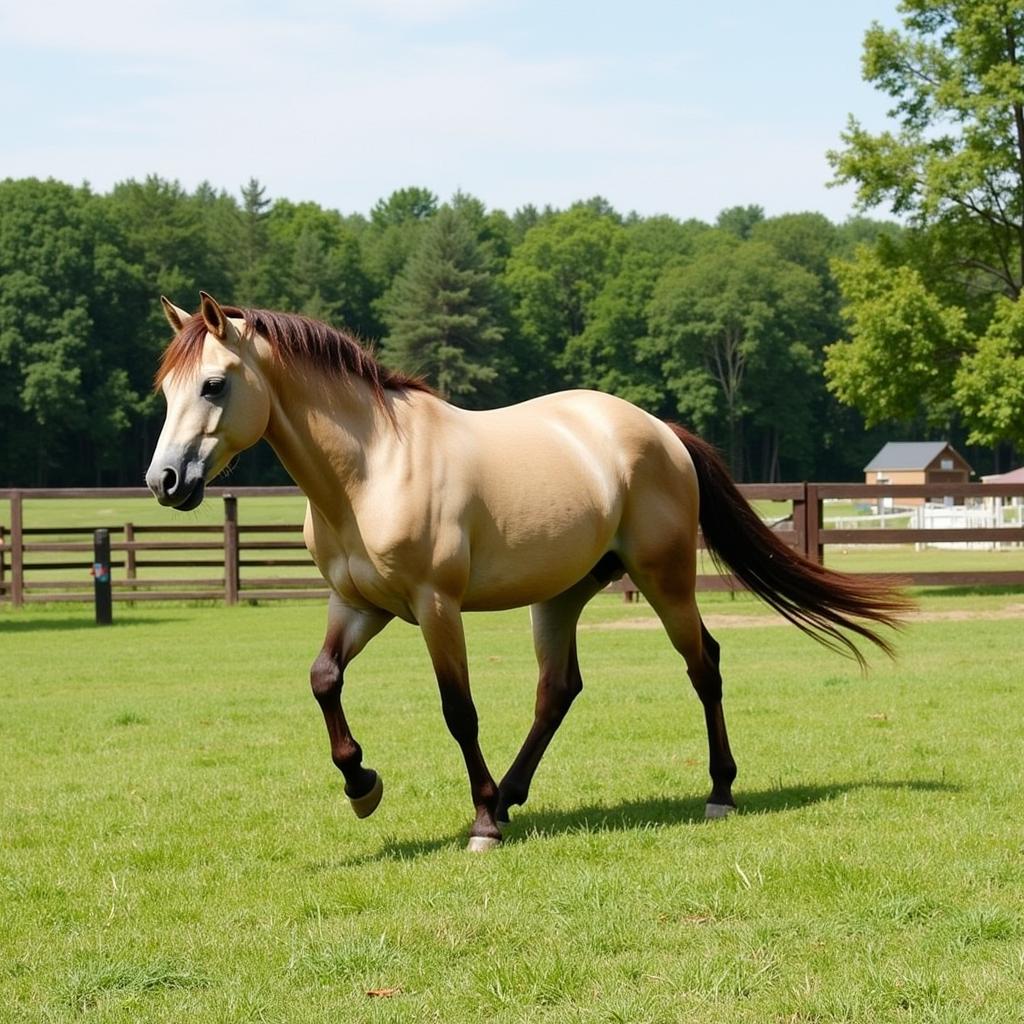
x=1015 y=476
x=917 y=462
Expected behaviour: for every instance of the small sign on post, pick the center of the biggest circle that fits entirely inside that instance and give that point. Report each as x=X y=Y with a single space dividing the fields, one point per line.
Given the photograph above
x=101 y=577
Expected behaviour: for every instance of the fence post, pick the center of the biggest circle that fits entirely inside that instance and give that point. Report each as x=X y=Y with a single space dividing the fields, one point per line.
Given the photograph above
x=815 y=520
x=3 y=559
x=101 y=577
x=129 y=560
x=230 y=549
x=800 y=520
x=17 y=552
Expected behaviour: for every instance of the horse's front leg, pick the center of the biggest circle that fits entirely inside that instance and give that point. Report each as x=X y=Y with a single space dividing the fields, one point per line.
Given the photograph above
x=348 y=632
x=440 y=620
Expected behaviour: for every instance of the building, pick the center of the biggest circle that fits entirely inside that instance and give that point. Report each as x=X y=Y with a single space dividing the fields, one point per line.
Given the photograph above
x=917 y=462
x=1015 y=476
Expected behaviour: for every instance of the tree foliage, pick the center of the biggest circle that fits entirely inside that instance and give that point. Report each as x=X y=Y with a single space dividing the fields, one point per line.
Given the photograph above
x=729 y=333
x=952 y=164
x=904 y=344
x=492 y=307
x=990 y=381
x=440 y=313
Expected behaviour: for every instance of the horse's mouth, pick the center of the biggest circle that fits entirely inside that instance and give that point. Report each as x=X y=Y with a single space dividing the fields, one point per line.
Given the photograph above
x=193 y=499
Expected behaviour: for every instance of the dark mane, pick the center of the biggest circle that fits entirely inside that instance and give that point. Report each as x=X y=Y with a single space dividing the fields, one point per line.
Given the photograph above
x=293 y=338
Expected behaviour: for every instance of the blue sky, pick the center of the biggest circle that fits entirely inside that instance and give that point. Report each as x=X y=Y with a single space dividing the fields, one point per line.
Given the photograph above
x=678 y=108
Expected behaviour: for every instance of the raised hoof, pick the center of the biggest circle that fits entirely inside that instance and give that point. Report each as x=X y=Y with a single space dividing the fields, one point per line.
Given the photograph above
x=718 y=811
x=366 y=804
x=481 y=844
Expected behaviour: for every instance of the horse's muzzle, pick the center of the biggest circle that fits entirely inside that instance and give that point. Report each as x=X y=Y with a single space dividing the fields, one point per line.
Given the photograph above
x=179 y=489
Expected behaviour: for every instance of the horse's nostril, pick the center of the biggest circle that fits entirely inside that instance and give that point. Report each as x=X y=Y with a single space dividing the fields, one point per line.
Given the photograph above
x=168 y=480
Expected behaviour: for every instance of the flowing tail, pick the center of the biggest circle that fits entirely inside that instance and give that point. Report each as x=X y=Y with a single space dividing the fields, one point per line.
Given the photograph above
x=817 y=600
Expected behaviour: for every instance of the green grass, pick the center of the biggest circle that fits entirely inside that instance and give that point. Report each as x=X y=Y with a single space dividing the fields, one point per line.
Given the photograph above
x=174 y=845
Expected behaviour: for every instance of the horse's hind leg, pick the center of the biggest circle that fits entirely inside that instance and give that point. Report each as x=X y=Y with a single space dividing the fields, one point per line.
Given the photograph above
x=672 y=597
x=554 y=640
x=707 y=681
x=348 y=632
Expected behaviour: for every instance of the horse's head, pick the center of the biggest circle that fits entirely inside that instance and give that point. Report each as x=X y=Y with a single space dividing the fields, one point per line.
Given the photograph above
x=218 y=403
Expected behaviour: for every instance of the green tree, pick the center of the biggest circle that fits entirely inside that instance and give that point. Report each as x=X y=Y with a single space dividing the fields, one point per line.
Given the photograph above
x=319 y=268
x=952 y=164
x=956 y=158
x=67 y=393
x=394 y=231
x=613 y=352
x=990 y=381
x=904 y=344
x=740 y=221
x=729 y=331
x=554 y=277
x=253 y=278
x=439 y=313
x=404 y=205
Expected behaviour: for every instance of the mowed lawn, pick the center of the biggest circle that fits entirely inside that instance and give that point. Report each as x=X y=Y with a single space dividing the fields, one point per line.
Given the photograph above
x=175 y=846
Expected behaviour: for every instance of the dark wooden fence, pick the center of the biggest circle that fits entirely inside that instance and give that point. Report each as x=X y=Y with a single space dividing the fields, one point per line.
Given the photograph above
x=235 y=562
x=228 y=562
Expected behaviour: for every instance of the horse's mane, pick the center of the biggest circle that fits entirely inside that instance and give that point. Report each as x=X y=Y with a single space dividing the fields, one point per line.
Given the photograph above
x=293 y=338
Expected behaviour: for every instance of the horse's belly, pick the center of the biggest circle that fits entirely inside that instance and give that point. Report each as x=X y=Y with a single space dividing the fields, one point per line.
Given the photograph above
x=526 y=589
x=527 y=570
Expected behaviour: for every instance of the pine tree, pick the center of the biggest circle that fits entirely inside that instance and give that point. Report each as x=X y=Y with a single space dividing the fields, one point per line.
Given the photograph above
x=440 y=313
x=252 y=278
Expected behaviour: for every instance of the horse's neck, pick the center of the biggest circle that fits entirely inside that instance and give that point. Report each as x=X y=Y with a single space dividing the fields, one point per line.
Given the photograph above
x=324 y=431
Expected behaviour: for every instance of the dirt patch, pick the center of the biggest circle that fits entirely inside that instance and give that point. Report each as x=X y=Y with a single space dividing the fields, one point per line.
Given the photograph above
x=725 y=621
x=1011 y=611
x=713 y=622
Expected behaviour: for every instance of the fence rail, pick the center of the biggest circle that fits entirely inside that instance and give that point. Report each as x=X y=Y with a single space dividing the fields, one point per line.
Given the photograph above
x=253 y=562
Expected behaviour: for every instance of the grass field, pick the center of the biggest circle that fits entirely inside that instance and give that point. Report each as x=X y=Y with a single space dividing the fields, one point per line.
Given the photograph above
x=174 y=845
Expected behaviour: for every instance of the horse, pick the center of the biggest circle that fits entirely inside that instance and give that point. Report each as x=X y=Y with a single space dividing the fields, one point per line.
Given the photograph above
x=420 y=510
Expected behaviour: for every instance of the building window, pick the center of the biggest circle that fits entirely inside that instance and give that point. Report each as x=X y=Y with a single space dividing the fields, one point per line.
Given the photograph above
x=946 y=464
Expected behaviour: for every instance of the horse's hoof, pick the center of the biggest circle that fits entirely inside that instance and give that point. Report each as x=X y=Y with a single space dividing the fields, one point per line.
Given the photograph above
x=366 y=804
x=718 y=811
x=481 y=844
x=503 y=822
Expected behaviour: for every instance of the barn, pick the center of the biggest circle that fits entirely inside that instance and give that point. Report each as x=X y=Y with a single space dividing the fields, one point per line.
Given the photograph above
x=917 y=462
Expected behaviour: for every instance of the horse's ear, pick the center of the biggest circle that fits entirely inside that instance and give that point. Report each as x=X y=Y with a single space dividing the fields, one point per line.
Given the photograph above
x=217 y=322
x=176 y=316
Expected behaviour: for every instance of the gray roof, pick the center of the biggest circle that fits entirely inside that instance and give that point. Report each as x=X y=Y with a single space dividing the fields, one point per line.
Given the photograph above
x=906 y=455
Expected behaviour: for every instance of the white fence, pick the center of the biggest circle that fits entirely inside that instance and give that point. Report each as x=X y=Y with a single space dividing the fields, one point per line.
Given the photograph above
x=990 y=513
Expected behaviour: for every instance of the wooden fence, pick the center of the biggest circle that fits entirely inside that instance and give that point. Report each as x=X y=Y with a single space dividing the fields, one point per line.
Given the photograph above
x=257 y=562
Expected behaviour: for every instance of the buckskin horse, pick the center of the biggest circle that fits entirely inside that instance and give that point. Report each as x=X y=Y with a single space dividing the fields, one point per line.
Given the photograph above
x=420 y=510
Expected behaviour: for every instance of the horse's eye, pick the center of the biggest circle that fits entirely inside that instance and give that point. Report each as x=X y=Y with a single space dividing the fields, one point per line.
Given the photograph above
x=213 y=387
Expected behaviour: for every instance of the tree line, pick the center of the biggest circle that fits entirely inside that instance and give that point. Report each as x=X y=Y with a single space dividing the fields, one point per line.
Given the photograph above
x=722 y=326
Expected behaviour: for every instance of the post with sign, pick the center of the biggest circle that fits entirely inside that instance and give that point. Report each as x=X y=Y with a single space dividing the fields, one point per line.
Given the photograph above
x=101 y=577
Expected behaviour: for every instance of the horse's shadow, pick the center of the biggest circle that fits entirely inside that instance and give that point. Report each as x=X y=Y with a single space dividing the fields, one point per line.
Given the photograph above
x=641 y=814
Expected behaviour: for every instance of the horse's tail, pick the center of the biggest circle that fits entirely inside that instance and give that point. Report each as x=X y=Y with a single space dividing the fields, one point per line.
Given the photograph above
x=819 y=601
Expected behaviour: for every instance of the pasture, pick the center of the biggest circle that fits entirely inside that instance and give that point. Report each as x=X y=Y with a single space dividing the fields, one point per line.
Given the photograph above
x=174 y=844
